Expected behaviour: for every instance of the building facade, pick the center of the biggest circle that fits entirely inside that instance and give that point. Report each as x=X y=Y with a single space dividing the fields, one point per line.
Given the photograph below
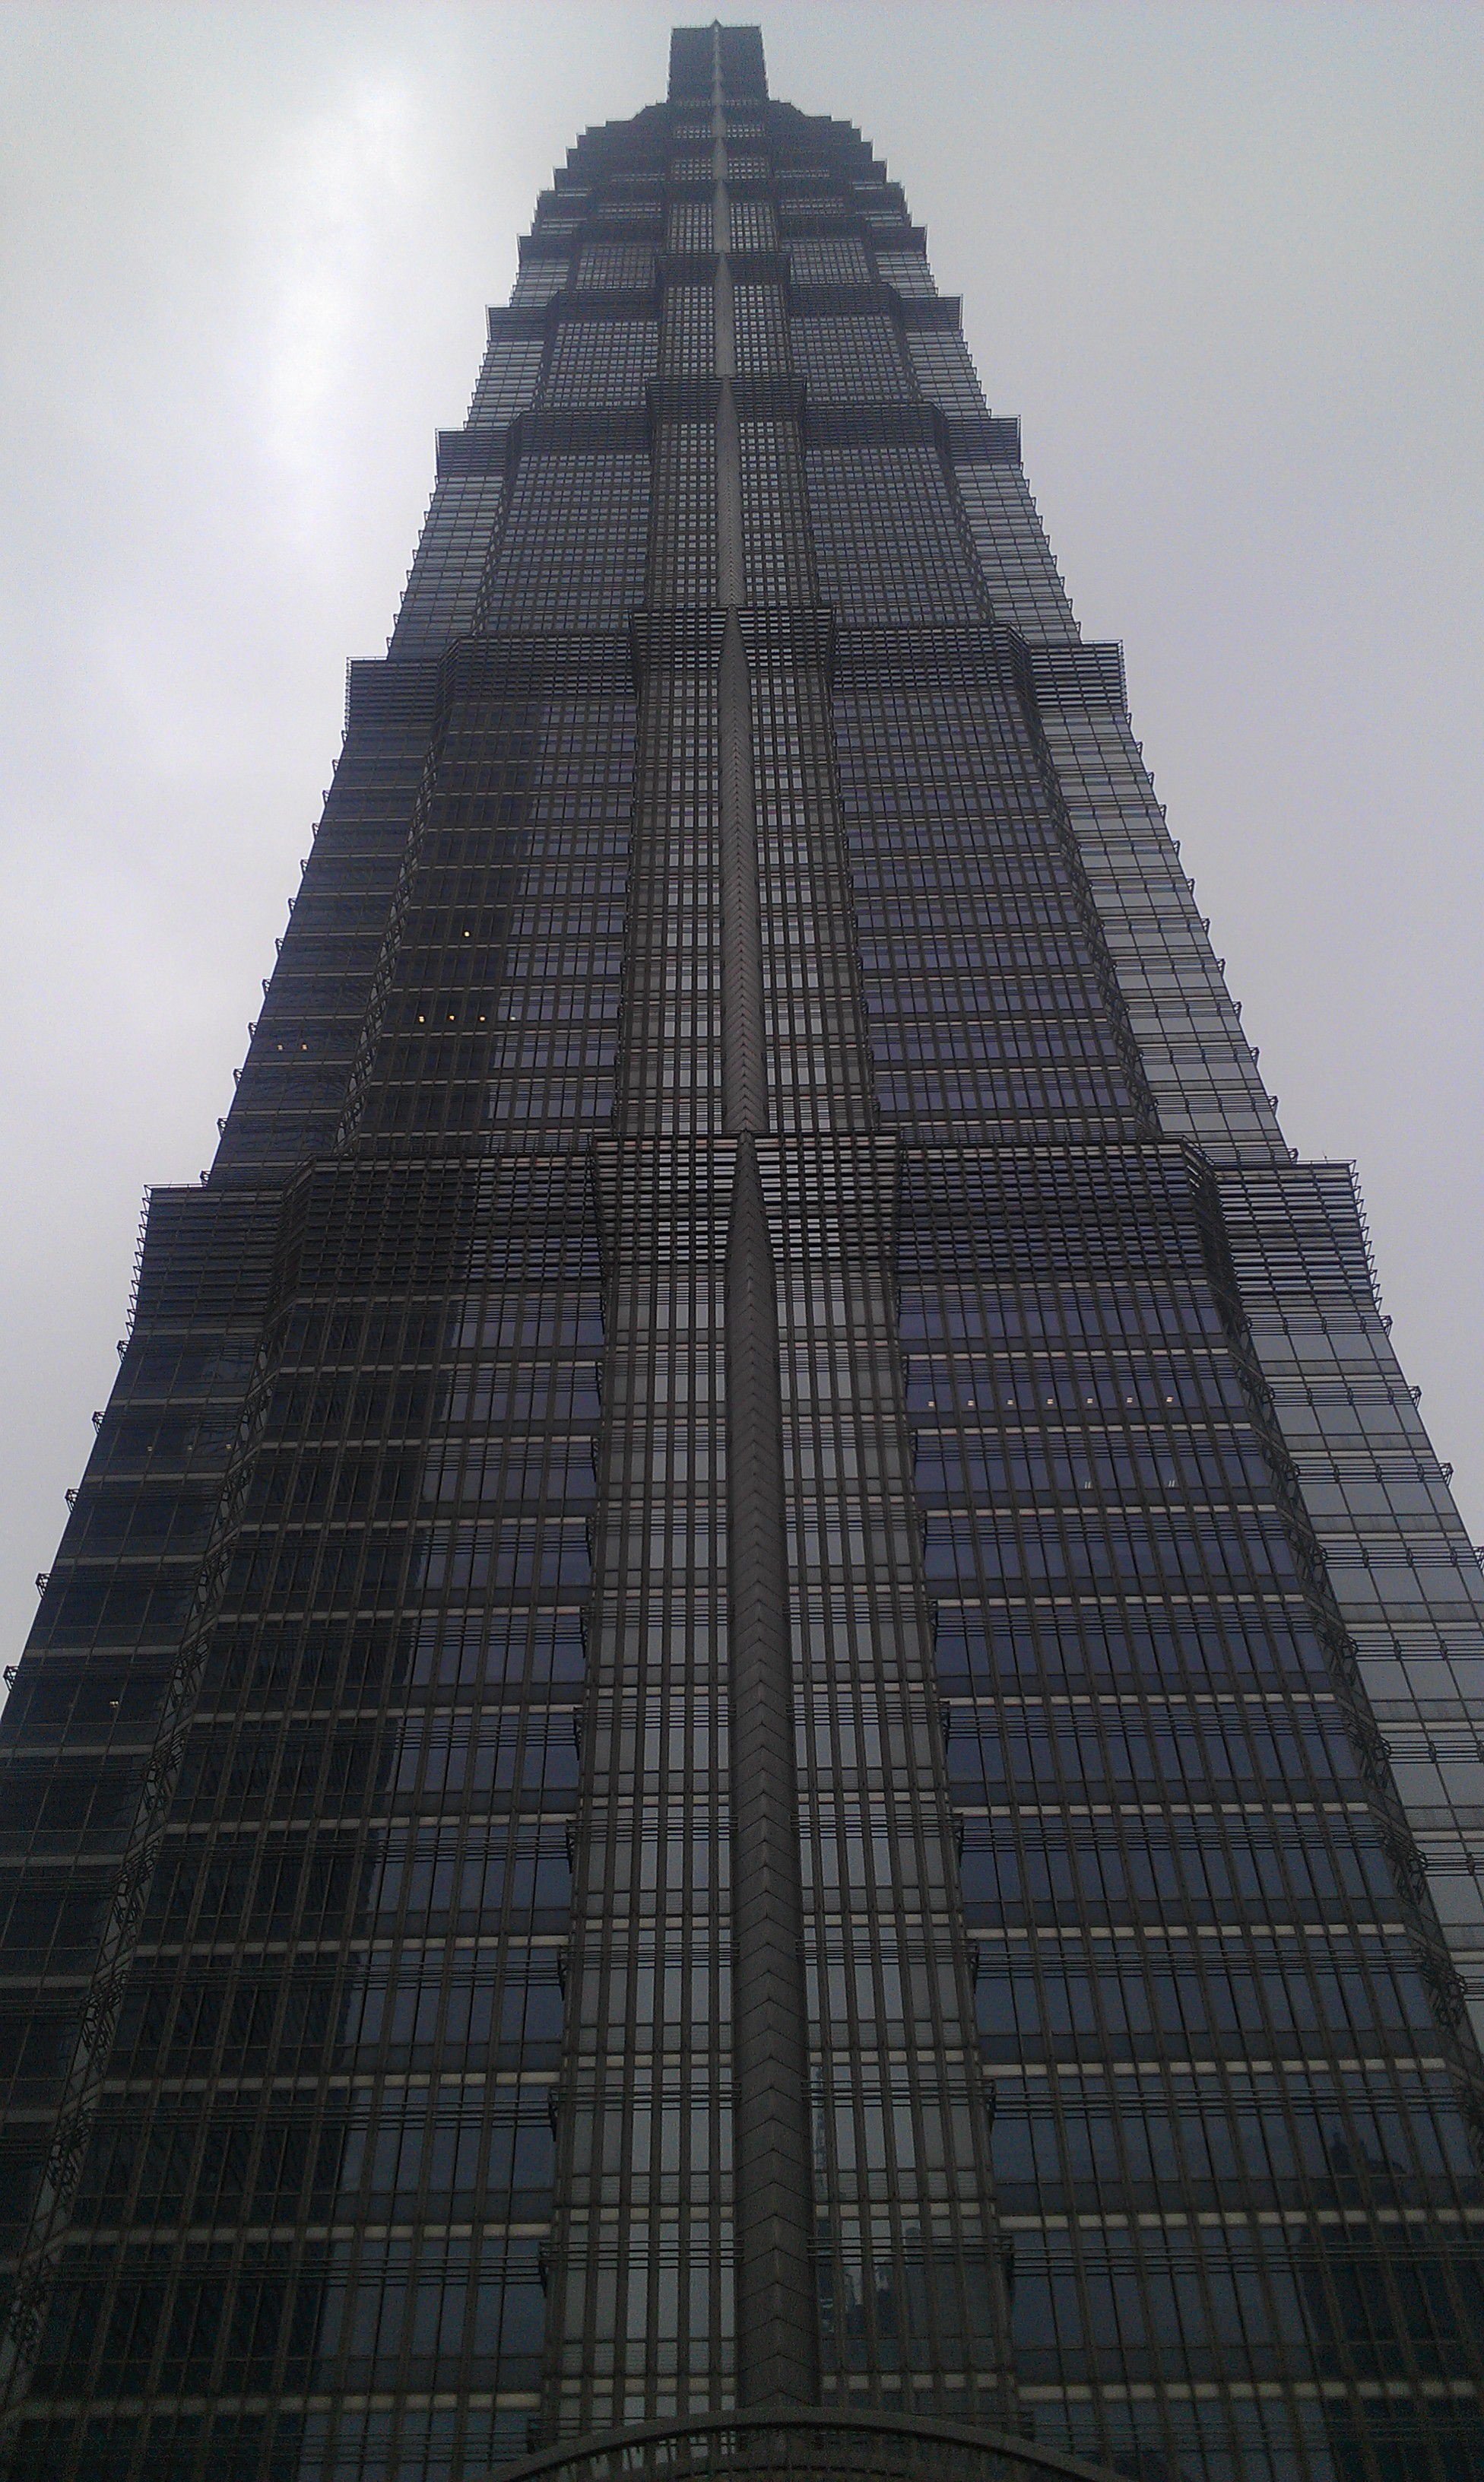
x=762 y=1695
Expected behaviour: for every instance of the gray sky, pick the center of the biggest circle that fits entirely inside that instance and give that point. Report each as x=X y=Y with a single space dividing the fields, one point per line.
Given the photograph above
x=1225 y=262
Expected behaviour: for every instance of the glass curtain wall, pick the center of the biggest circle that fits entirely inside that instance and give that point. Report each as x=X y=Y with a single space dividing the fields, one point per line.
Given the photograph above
x=762 y=1693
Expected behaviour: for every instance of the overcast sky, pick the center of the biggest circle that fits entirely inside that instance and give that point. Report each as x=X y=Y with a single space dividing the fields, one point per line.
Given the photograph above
x=1225 y=262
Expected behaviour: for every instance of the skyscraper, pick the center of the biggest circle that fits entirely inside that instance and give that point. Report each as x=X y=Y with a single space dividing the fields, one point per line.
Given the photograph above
x=708 y=1734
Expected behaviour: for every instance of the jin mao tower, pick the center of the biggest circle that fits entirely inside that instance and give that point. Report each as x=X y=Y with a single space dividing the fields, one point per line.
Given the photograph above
x=758 y=1725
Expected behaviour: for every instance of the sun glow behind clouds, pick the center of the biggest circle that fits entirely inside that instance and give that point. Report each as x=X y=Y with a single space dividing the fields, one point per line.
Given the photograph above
x=336 y=185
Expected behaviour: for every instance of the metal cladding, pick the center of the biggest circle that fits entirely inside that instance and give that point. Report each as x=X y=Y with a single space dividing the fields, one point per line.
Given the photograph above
x=757 y=1746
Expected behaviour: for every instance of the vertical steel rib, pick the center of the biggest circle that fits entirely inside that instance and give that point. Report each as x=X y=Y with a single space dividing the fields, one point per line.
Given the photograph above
x=743 y=1050
x=777 y=2357
x=776 y=2348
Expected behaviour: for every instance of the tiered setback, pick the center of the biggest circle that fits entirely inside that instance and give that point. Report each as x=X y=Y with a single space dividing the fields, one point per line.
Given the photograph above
x=706 y=1733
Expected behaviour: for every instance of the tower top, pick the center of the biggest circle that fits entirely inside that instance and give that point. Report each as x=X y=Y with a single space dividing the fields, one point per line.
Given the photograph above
x=702 y=55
